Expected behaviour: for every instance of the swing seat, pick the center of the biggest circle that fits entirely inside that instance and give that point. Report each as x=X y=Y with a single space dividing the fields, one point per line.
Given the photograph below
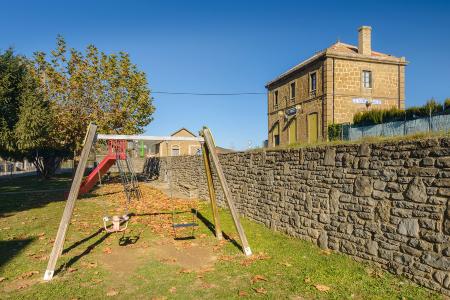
x=183 y=225
x=116 y=222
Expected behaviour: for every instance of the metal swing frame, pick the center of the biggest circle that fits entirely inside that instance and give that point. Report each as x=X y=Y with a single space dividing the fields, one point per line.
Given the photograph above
x=210 y=159
x=193 y=211
x=130 y=184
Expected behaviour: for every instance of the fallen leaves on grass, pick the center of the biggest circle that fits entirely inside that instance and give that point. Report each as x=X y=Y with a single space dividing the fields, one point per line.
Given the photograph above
x=260 y=290
x=226 y=258
x=255 y=257
x=205 y=270
x=257 y=278
x=307 y=280
x=27 y=274
x=153 y=203
x=286 y=264
x=2 y=279
x=242 y=294
x=107 y=250
x=206 y=285
x=322 y=288
x=111 y=293
x=89 y=265
x=173 y=290
x=97 y=280
x=71 y=270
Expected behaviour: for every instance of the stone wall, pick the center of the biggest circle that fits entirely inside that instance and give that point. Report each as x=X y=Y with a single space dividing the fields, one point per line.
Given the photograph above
x=385 y=203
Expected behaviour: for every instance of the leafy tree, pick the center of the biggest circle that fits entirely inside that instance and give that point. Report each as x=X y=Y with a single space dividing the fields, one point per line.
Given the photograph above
x=447 y=104
x=46 y=104
x=93 y=87
x=25 y=117
x=12 y=73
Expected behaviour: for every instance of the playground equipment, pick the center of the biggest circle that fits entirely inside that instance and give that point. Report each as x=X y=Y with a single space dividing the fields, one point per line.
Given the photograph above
x=209 y=157
x=116 y=155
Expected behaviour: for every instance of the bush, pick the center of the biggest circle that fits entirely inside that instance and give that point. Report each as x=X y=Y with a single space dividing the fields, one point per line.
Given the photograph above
x=432 y=107
x=447 y=105
x=414 y=112
x=378 y=116
x=334 y=132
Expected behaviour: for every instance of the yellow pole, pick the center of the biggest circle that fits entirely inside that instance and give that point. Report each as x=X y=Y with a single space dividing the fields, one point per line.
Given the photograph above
x=212 y=193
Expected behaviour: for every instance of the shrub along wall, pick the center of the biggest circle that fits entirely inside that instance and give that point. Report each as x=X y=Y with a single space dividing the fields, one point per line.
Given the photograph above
x=386 y=203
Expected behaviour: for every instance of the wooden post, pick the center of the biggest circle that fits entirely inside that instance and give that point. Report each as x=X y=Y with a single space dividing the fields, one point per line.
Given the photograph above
x=226 y=191
x=70 y=204
x=212 y=192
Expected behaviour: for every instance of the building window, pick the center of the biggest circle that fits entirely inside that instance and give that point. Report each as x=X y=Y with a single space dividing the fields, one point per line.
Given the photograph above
x=312 y=84
x=175 y=150
x=367 y=79
x=292 y=90
x=275 y=99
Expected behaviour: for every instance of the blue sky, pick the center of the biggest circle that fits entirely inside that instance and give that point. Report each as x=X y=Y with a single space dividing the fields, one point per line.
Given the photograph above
x=234 y=46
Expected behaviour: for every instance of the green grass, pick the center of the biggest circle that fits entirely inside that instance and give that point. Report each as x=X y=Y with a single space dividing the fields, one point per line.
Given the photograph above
x=291 y=267
x=27 y=183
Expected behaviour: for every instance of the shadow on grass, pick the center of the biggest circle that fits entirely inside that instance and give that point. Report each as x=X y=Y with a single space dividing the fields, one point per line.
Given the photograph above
x=24 y=193
x=212 y=228
x=10 y=204
x=76 y=244
x=86 y=251
x=123 y=241
x=9 y=249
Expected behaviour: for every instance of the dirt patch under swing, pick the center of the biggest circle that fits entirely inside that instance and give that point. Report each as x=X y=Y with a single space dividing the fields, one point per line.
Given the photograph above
x=189 y=255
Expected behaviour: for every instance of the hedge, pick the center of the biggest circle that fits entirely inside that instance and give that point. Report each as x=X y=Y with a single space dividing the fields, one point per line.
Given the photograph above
x=378 y=116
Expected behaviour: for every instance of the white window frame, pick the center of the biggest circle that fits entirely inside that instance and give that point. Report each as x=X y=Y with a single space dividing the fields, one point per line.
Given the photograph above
x=363 y=79
x=172 y=148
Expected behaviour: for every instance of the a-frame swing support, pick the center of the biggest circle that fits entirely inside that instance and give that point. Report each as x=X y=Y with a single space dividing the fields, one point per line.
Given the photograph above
x=89 y=140
x=209 y=152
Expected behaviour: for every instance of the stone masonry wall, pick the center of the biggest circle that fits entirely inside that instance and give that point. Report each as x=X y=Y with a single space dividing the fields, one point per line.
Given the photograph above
x=386 y=79
x=385 y=203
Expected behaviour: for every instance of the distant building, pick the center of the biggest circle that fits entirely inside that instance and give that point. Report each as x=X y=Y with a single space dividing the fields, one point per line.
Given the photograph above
x=176 y=148
x=330 y=87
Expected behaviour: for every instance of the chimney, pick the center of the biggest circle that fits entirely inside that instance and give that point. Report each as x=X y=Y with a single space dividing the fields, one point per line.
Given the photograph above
x=365 y=40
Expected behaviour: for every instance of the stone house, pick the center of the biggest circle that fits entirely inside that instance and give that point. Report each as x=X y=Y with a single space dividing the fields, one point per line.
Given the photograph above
x=177 y=148
x=330 y=87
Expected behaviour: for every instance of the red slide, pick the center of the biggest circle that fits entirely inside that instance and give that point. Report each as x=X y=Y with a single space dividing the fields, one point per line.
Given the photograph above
x=99 y=171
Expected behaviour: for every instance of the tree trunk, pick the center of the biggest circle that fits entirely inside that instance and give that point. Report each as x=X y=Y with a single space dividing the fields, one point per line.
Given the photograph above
x=47 y=166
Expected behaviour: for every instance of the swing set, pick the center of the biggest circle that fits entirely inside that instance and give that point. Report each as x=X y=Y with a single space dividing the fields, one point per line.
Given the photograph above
x=117 y=145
